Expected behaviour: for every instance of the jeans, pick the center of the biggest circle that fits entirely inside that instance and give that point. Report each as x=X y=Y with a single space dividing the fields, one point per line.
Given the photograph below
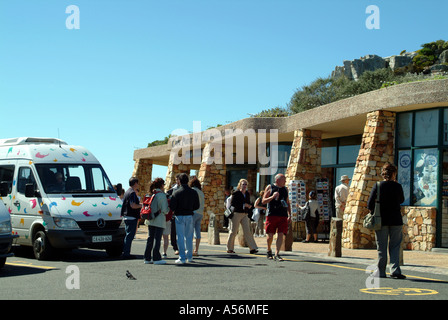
x=197 y=219
x=184 y=230
x=130 y=229
x=153 y=243
x=389 y=237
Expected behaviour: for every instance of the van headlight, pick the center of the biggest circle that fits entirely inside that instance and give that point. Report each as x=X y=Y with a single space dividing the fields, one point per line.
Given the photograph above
x=65 y=223
x=5 y=227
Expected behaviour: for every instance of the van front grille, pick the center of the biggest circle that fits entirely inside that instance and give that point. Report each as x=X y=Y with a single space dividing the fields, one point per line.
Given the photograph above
x=111 y=225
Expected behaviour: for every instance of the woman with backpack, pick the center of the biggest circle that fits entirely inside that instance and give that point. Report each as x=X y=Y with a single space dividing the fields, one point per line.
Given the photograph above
x=156 y=225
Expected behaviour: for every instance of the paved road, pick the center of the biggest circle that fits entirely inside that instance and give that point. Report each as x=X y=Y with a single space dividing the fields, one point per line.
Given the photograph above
x=215 y=275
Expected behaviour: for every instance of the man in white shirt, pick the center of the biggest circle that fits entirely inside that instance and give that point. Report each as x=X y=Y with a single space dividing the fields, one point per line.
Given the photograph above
x=340 y=196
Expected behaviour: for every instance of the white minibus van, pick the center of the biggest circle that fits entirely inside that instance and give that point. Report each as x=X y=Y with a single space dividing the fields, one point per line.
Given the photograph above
x=58 y=196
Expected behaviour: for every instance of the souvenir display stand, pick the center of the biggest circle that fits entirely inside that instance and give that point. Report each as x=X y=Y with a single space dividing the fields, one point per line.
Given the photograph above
x=323 y=197
x=297 y=197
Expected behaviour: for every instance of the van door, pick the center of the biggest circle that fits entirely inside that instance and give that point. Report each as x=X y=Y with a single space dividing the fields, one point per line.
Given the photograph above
x=25 y=211
x=6 y=182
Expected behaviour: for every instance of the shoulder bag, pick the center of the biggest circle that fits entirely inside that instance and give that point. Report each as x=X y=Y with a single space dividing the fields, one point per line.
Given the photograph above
x=372 y=221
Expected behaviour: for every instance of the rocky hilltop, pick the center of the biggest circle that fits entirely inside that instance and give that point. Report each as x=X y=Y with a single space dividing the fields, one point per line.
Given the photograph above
x=402 y=63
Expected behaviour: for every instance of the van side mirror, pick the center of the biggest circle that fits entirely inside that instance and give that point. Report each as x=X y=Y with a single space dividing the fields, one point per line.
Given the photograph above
x=4 y=189
x=30 y=191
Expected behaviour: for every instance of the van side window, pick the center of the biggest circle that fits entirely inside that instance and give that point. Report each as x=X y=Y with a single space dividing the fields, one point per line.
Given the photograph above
x=25 y=176
x=7 y=175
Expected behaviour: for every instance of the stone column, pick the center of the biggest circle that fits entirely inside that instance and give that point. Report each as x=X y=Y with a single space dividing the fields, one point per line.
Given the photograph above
x=304 y=164
x=304 y=161
x=173 y=170
x=213 y=180
x=377 y=148
x=143 y=171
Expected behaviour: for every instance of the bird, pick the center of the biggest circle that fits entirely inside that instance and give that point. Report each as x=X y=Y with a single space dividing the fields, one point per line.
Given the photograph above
x=130 y=276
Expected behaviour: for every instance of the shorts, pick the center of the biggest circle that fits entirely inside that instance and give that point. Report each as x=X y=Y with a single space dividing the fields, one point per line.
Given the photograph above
x=276 y=224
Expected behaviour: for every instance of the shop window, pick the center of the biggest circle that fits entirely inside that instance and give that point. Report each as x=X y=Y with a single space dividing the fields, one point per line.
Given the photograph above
x=404 y=174
x=445 y=127
x=404 y=130
x=426 y=127
x=329 y=151
x=349 y=149
x=425 y=177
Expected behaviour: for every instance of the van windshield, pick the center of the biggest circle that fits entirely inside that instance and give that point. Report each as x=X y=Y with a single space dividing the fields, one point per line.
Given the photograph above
x=73 y=178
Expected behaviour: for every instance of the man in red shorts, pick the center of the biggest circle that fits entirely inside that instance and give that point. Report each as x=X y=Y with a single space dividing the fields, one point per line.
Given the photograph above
x=278 y=213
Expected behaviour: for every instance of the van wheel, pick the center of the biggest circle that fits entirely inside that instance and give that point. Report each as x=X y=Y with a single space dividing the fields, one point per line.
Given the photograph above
x=2 y=262
x=42 y=248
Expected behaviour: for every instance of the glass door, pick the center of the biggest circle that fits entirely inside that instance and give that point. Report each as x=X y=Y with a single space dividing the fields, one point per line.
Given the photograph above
x=444 y=225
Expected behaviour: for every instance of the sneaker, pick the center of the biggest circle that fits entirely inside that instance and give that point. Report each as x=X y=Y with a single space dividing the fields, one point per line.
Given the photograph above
x=164 y=255
x=160 y=262
x=148 y=261
x=178 y=261
x=278 y=258
x=190 y=260
x=269 y=255
x=398 y=276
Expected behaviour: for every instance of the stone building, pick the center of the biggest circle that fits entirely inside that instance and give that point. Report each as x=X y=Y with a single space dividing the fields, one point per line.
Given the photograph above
x=404 y=124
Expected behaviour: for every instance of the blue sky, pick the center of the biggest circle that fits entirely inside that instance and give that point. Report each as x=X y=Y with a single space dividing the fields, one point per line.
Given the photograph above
x=138 y=69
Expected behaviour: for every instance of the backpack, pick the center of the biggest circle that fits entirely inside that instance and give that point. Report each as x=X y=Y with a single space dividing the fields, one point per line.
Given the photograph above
x=146 y=212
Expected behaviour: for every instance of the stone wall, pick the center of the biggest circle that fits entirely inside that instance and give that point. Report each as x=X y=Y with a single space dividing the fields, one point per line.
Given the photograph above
x=419 y=228
x=305 y=158
x=143 y=171
x=173 y=170
x=304 y=164
x=377 y=148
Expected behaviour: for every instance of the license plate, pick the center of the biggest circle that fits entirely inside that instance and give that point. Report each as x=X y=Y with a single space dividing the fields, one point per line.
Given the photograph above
x=101 y=238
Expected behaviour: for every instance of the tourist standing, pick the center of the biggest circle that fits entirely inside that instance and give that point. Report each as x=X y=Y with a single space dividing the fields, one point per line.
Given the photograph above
x=130 y=211
x=172 y=224
x=198 y=214
x=184 y=202
x=312 y=217
x=278 y=214
x=340 y=196
x=159 y=206
x=391 y=233
x=241 y=202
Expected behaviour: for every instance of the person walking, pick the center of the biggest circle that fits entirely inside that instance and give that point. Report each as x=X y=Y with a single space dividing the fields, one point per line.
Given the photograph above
x=391 y=233
x=259 y=228
x=312 y=217
x=340 y=196
x=241 y=202
x=195 y=184
x=184 y=202
x=156 y=226
x=278 y=214
x=130 y=211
